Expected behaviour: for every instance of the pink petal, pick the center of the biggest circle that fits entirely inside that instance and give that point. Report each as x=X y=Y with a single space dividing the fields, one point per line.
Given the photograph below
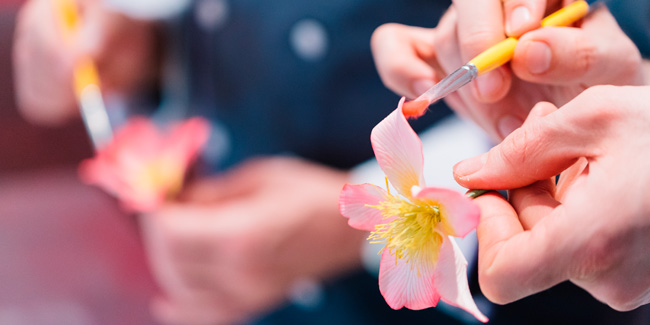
x=186 y=139
x=407 y=285
x=457 y=209
x=136 y=148
x=353 y=203
x=450 y=278
x=399 y=151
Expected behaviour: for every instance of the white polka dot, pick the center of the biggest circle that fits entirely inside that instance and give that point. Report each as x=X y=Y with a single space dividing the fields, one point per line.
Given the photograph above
x=219 y=145
x=149 y=9
x=308 y=39
x=211 y=14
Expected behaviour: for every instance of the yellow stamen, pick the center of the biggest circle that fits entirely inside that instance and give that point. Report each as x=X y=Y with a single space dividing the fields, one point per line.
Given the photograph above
x=387 y=187
x=160 y=174
x=414 y=235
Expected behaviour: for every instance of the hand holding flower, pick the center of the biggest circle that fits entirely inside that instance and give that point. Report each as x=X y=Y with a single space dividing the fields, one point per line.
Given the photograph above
x=596 y=232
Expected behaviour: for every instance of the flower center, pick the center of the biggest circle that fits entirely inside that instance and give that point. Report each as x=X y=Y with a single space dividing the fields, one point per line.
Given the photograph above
x=160 y=175
x=412 y=234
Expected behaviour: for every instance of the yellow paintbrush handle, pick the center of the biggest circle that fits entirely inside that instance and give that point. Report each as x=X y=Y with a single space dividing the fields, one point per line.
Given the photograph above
x=85 y=71
x=503 y=51
x=85 y=74
x=567 y=15
x=495 y=56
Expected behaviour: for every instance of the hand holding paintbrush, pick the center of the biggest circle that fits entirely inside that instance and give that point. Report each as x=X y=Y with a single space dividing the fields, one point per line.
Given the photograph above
x=549 y=64
x=47 y=49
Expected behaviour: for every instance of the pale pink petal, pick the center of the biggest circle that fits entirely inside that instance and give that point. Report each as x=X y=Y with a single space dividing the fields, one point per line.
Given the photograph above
x=406 y=284
x=139 y=136
x=186 y=139
x=450 y=278
x=398 y=150
x=111 y=179
x=354 y=204
x=457 y=209
x=142 y=166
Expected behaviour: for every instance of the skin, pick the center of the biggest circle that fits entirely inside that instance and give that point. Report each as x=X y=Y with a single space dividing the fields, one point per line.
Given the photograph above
x=238 y=243
x=594 y=229
x=550 y=64
x=278 y=217
x=591 y=228
x=44 y=60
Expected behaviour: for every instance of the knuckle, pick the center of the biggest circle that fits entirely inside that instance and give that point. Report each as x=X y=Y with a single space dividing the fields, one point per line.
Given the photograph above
x=517 y=147
x=585 y=56
x=602 y=107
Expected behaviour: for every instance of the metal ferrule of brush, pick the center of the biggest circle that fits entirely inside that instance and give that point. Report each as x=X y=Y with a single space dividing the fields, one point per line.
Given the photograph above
x=455 y=80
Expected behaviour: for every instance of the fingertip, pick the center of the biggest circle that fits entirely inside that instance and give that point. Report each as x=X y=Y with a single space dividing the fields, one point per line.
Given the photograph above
x=464 y=169
x=421 y=86
x=540 y=110
x=538 y=57
x=522 y=16
x=493 y=86
x=517 y=20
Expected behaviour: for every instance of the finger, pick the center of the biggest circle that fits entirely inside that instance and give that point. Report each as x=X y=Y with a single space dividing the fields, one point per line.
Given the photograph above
x=239 y=182
x=524 y=15
x=447 y=49
x=402 y=55
x=533 y=202
x=446 y=41
x=539 y=150
x=498 y=222
x=171 y=311
x=480 y=25
x=597 y=53
x=514 y=263
x=539 y=111
x=569 y=176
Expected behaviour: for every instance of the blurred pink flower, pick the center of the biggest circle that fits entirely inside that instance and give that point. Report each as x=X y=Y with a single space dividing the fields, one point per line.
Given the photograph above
x=420 y=262
x=143 y=167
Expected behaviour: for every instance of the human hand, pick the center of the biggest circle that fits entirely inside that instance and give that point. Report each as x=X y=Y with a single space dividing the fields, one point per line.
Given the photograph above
x=550 y=64
x=596 y=233
x=43 y=59
x=238 y=243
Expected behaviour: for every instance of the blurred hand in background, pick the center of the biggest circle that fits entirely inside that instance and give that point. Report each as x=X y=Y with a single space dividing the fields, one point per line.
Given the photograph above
x=123 y=49
x=240 y=242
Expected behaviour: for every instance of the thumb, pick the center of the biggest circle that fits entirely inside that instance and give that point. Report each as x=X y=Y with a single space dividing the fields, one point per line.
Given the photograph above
x=542 y=148
x=597 y=53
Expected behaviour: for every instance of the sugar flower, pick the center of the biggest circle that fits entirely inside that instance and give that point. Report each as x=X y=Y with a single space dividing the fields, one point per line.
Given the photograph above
x=420 y=262
x=142 y=166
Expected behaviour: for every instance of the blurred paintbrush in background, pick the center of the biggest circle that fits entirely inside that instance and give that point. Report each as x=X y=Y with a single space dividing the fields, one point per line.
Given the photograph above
x=86 y=79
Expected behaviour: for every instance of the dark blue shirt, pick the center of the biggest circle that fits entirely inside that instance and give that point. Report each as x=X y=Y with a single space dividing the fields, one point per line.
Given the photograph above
x=249 y=74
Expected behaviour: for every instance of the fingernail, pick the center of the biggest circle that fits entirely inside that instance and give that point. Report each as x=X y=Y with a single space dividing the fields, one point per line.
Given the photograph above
x=489 y=84
x=519 y=17
x=538 y=57
x=470 y=166
x=507 y=124
x=422 y=85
